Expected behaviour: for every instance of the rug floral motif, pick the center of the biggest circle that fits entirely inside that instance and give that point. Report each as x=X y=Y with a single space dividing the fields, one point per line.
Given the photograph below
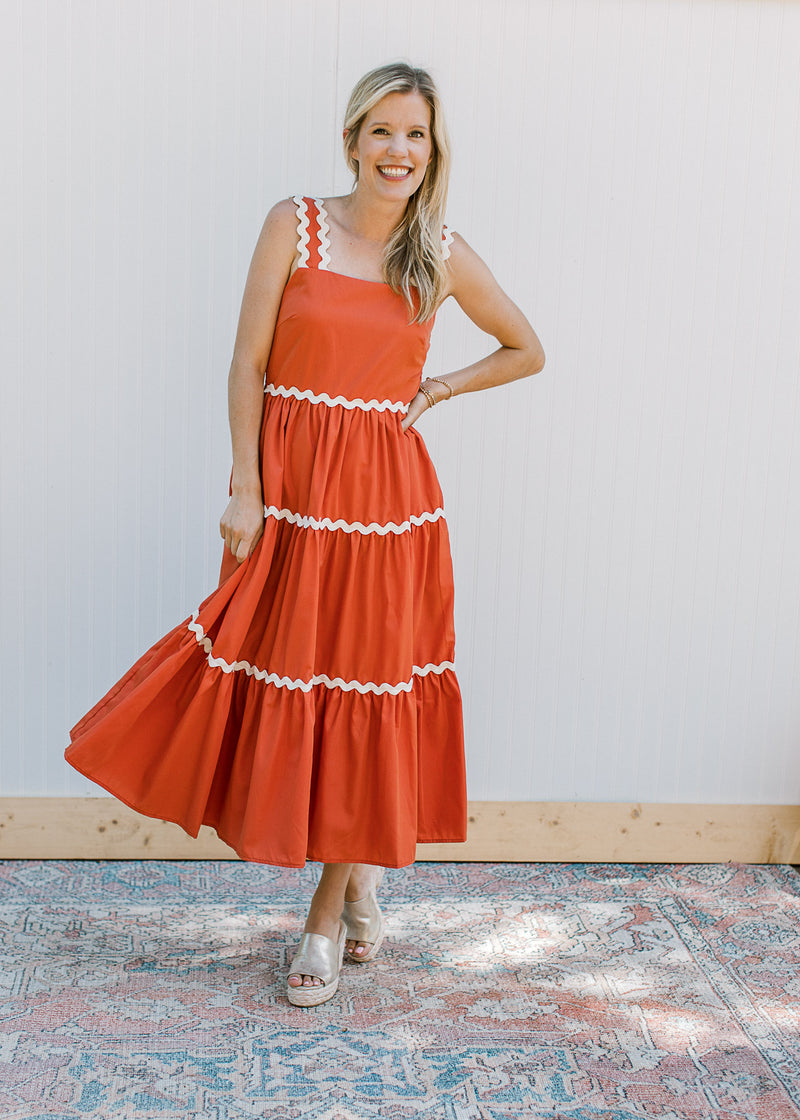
x=153 y=990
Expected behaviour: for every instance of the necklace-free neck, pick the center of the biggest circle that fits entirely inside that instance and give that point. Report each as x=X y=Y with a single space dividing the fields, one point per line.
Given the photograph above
x=372 y=220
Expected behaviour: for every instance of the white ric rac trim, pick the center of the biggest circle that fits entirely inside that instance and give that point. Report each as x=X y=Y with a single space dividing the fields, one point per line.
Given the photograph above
x=332 y=402
x=302 y=230
x=447 y=242
x=352 y=526
x=324 y=240
x=306 y=686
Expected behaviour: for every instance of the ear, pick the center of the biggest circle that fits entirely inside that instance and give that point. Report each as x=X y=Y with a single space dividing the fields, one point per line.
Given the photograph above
x=345 y=132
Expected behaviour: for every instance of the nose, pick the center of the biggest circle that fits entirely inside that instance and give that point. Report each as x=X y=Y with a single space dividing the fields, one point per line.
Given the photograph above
x=397 y=144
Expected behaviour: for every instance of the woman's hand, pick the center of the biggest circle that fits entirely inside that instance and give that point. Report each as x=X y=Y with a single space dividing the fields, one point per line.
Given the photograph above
x=418 y=405
x=242 y=524
x=432 y=390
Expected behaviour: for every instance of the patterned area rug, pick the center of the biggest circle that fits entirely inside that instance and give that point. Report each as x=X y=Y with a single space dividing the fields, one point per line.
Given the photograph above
x=155 y=990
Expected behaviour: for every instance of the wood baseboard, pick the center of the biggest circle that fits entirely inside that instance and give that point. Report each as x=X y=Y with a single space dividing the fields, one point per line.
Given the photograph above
x=499 y=832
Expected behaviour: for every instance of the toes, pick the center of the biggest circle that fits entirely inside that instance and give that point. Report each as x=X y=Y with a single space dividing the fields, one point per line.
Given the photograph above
x=302 y=981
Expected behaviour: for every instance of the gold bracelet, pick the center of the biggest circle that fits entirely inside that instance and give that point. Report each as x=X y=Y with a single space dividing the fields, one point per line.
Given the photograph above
x=430 y=396
x=441 y=382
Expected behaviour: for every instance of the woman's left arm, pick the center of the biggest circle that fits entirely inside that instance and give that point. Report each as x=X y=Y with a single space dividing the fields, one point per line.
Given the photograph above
x=482 y=299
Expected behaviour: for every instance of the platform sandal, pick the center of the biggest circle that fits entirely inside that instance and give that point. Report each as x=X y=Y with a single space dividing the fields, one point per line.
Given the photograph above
x=365 y=922
x=319 y=956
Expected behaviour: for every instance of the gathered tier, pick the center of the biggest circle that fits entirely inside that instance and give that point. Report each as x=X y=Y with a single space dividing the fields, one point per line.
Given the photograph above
x=309 y=708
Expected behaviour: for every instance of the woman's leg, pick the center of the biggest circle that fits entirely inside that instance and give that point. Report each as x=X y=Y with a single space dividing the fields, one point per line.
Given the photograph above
x=325 y=911
x=338 y=881
x=362 y=878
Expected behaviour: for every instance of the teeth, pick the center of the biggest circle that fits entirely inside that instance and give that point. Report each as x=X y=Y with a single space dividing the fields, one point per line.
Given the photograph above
x=395 y=172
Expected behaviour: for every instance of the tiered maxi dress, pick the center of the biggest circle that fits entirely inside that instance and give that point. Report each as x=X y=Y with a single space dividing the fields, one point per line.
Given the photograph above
x=309 y=709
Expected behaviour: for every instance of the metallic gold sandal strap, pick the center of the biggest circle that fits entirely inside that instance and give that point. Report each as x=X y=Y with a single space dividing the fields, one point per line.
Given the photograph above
x=363 y=919
x=318 y=956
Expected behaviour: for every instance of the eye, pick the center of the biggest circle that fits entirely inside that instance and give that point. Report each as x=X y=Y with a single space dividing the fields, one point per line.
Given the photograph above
x=416 y=132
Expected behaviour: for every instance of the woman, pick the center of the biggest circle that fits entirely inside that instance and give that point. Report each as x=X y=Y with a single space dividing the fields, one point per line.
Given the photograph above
x=309 y=709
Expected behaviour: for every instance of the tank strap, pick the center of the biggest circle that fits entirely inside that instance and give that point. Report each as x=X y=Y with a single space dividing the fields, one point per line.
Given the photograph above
x=313 y=243
x=447 y=241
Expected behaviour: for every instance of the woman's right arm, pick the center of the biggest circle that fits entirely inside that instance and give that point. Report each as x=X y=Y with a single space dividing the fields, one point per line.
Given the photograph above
x=242 y=523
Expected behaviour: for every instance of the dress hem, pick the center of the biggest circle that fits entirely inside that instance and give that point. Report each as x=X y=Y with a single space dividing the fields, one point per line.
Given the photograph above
x=252 y=858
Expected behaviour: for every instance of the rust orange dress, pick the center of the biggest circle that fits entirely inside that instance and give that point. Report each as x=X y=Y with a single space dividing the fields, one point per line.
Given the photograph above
x=309 y=709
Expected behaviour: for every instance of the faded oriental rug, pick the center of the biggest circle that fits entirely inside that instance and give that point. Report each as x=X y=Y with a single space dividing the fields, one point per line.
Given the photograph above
x=155 y=990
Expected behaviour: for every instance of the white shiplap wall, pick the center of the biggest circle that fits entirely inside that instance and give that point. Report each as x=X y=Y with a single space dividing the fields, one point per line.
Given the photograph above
x=626 y=542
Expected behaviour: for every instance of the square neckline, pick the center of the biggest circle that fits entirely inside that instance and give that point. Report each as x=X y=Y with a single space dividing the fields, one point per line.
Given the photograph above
x=323 y=242
x=325 y=227
x=343 y=275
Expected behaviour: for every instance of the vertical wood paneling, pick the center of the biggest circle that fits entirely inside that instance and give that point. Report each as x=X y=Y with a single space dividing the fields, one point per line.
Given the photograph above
x=624 y=529
x=12 y=279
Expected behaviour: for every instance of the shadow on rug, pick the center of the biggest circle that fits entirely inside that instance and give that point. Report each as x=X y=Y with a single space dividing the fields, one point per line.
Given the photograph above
x=154 y=990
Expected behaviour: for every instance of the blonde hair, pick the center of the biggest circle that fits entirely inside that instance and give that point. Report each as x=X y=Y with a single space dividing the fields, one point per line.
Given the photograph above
x=413 y=261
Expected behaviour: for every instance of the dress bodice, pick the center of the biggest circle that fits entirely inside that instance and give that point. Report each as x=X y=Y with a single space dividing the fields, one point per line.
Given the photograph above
x=340 y=334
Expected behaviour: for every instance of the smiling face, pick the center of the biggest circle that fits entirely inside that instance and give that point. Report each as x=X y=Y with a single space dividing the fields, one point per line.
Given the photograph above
x=394 y=146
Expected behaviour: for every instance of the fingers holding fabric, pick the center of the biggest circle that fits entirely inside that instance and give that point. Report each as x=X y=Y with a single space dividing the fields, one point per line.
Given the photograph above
x=242 y=524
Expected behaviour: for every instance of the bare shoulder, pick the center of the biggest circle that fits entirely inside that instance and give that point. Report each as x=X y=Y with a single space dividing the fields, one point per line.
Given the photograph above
x=333 y=205
x=464 y=265
x=280 y=224
x=284 y=212
x=277 y=242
